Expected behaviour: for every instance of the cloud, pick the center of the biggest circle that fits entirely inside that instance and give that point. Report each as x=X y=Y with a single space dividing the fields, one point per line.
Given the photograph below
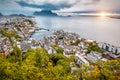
x=8 y=5
x=83 y=5
x=109 y=5
x=95 y=5
x=11 y=5
x=59 y=5
x=47 y=5
x=90 y=2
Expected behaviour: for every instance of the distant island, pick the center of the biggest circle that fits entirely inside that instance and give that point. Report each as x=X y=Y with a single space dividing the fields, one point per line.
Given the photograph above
x=1 y=14
x=22 y=15
x=45 y=13
x=116 y=17
x=17 y=15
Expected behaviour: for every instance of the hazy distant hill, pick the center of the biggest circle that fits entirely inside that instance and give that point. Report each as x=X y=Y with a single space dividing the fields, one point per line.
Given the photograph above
x=17 y=15
x=85 y=12
x=1 y=14
x=45 y=13
x=116 y=17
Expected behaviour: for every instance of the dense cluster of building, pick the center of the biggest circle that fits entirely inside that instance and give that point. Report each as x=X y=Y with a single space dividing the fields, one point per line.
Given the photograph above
x=113 y=50
x=66 y=41
x=23 y=26
x=70 y=43
x=93 y=56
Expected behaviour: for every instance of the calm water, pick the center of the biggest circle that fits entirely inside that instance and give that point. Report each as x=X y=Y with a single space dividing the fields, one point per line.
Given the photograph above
x=95 y=28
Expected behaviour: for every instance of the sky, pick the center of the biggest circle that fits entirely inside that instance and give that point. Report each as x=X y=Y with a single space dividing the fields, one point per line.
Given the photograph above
x=29 y=6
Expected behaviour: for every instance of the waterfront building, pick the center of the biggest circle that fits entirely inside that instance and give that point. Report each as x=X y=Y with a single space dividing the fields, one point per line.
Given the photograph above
x=79 y=59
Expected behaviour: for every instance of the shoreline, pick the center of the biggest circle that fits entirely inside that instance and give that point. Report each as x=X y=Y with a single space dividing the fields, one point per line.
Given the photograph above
x=28 y=28
x=37 y=29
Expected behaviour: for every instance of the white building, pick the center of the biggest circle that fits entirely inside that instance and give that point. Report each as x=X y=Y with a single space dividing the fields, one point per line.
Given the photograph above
x=80 y=59
x=110 y=48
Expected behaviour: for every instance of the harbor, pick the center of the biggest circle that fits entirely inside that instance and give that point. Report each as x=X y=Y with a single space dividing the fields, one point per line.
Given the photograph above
x=26 y=27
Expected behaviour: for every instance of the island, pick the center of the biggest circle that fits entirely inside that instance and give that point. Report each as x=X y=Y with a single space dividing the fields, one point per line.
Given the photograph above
x=45 y=13
x=22 y=15
x=1 y=14
x=116 y=17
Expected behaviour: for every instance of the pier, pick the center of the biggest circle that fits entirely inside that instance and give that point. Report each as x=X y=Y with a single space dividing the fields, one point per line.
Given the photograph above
x=37 y=29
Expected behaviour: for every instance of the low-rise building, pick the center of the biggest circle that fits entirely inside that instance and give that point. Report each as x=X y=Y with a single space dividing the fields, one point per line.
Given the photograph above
x=113 y=50
x=79 y=59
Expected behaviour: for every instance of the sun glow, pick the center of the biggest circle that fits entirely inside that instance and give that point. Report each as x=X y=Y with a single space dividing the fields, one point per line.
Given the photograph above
x=104 y=14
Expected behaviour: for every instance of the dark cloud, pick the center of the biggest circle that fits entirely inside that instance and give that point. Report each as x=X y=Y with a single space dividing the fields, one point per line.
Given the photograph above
x=47 y=6
x=59 y=5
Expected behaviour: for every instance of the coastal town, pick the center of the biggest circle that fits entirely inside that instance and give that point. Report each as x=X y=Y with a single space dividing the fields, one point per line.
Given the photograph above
x=21 y=26
x=69 y=44
x=59 y=40
x=73 y=45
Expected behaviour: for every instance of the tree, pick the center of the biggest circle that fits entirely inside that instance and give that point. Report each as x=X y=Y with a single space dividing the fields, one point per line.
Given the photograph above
x=94 y=47
x=56 y=57
x=41 y=58
x=109 y=70
x=58 y=49
x=12 y=37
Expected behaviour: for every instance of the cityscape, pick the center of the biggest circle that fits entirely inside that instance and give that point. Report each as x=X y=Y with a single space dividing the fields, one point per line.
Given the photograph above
x=57 y=40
